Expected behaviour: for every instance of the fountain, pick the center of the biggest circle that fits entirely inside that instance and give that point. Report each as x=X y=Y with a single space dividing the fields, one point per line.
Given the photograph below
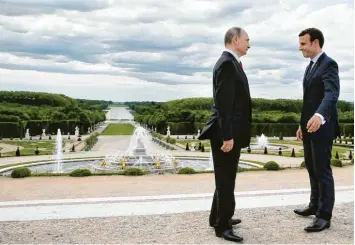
x=43 y=132
x=168 y=132
x=210 y=162
x=137 y=154
x=262 y=141
x=58 y=156
x=27 y=135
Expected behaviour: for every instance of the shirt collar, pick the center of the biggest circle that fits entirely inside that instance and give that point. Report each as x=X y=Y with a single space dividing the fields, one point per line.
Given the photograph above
x=234 y=54
x=315 y=59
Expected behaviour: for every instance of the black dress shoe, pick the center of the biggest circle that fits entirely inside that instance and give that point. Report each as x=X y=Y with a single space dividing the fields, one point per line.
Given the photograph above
x=305 y=211
x=236 y=221
x=229 y=236
x=318 y=224
x=233 y=222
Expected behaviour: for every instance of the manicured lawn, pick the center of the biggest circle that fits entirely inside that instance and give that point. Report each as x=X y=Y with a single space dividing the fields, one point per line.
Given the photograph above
x=30 y=146
x=287 y=142
x=119 y=129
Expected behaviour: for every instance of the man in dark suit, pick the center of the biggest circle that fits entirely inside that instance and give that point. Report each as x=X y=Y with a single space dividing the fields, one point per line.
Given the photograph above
x=228 y=129
x=318 y=126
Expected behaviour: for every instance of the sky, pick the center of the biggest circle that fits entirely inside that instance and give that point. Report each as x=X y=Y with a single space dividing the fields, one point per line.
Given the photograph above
x=154 y=50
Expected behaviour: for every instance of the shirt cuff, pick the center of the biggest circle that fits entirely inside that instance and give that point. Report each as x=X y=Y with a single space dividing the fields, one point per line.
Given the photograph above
x=321 y=117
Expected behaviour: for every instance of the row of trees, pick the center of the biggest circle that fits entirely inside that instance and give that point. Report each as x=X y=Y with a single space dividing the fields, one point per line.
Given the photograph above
x=37 y=111
x=35 y=98
x=187 y=115
x=258 y=104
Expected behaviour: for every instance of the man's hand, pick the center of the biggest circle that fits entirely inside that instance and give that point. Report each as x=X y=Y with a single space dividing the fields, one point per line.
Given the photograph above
x=227 y=145
x=314 y=124
x=299 y=134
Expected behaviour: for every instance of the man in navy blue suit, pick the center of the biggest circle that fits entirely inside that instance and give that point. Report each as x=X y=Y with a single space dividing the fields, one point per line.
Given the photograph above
x=318 y=126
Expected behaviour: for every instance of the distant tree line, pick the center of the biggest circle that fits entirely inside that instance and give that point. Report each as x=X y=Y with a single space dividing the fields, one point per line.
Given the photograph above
x=185 y=116
x=37 y=111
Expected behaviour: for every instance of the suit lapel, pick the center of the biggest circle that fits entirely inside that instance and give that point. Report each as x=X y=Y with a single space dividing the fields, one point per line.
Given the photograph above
x=245 y=80
x=238 y=67
x=308 y=79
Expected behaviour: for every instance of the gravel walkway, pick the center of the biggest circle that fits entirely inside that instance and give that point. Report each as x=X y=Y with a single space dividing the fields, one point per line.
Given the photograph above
x=259 y=226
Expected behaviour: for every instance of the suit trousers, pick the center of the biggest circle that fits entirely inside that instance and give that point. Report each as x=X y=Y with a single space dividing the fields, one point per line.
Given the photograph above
x=317 y=154
x=225 y=170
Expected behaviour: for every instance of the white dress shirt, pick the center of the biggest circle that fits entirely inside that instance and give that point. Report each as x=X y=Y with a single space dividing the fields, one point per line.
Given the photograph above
x=315 y=59
x=234 y=54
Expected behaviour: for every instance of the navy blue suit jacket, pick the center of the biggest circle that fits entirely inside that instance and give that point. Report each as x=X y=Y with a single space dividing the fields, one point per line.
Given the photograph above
x=320 y=95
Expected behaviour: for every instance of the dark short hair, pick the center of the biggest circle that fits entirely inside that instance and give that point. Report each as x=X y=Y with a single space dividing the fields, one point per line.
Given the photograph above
x=234 y=31
x=314 y=33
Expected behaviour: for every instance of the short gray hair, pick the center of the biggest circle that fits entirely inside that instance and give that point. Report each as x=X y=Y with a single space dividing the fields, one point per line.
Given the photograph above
x=234 y=31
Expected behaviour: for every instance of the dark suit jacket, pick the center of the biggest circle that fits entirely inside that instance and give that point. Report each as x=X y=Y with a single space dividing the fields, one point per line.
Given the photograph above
x=231 y=113
x=320 y=95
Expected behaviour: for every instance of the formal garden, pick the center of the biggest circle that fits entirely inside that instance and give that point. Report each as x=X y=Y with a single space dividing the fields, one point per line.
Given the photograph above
x=30 y=122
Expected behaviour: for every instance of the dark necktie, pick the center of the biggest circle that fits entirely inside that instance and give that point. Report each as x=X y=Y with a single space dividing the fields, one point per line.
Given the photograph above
x=309 y=68
x=241 y=65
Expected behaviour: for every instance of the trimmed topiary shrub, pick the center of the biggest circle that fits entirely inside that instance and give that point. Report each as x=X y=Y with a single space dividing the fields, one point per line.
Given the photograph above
x=21 y=172
x=272 y=166
x=336 y=163
x=303 y=164
x=18 y=152
x=133 y=172
x=293 y=154
x=187 y=170
x=80 y=172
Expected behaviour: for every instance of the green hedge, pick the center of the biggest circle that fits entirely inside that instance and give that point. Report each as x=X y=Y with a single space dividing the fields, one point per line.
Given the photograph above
x=21 y=172
x=181 y=128
x=133 y=171
x=18 y=129
x=346 y=129
x=51 y=127
x=269 y=129
x=11 y=129
x=272 y=166
x=274 y=129
x=91 y=141
x=336 y=163
x=186 y=170
x=80 y=172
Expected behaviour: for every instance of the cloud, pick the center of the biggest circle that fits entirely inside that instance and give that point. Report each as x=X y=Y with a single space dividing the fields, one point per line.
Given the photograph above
x=170 y=47
x=34 y=7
